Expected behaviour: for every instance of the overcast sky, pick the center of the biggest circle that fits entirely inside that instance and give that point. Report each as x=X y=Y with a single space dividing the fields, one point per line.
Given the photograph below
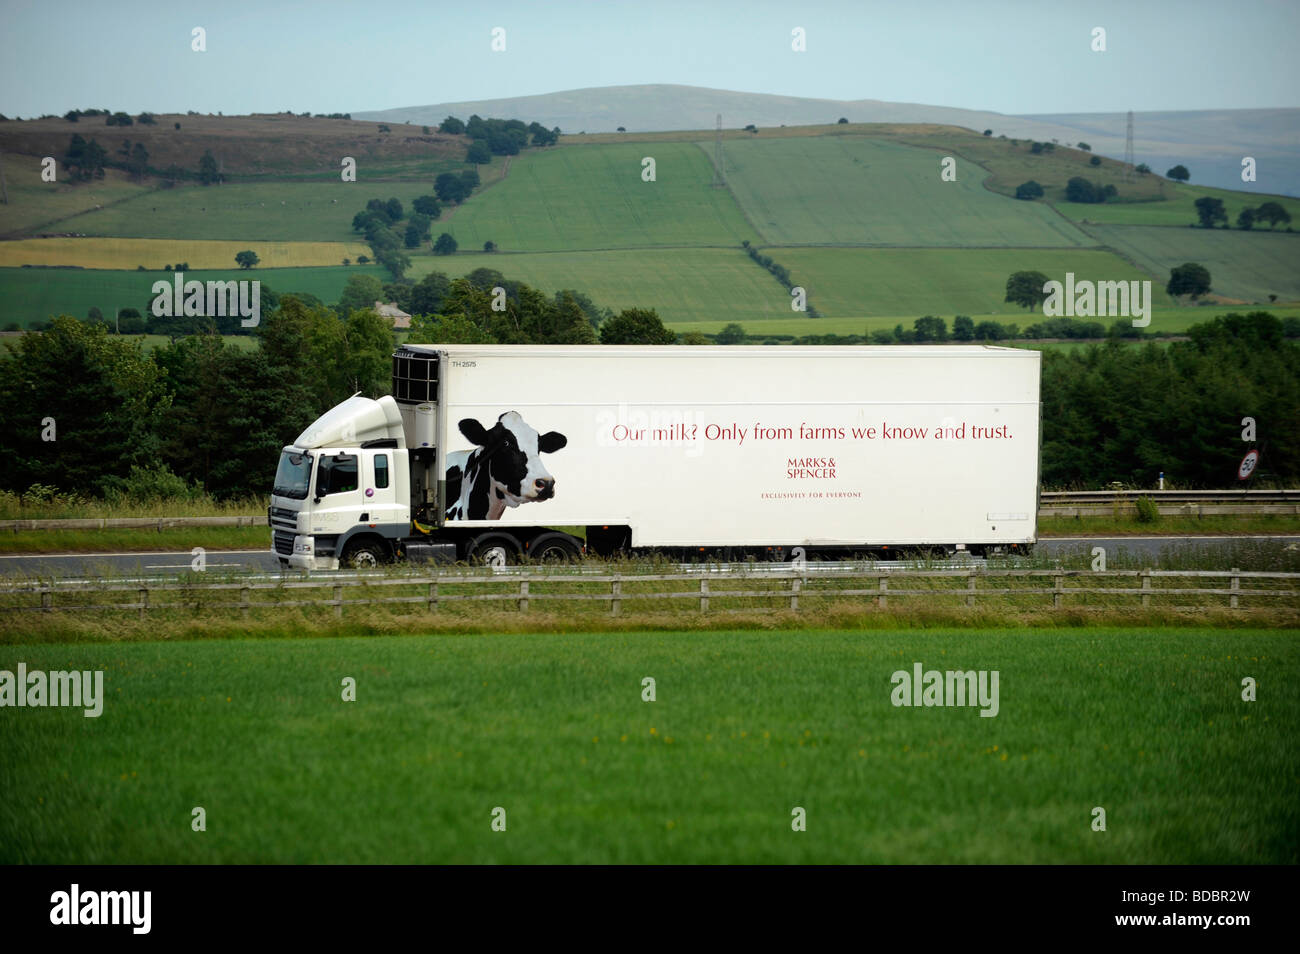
x=1014 y=56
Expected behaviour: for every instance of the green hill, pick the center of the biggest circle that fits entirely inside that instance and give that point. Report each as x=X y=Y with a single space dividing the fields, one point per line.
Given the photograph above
x=858 y=214
x=570 y=199
x=834 y=190
x=1244 y=266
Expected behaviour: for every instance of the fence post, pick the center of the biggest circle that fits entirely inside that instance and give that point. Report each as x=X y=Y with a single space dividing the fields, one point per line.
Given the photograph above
x=47 y=600
x=704 y=595
x=795 y=585
x=1236 y=585
x=970 y=587
x=243 y=601
x=615 y=592
x=523 y=596
x=338 y=601
x=1058 y=590
x=1146 y=588
x=882 y=599
x=144 y=601
x=433 y=596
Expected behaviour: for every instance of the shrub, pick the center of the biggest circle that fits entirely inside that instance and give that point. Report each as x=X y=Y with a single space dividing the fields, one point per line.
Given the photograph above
x=1147 y=511
x=155 y=482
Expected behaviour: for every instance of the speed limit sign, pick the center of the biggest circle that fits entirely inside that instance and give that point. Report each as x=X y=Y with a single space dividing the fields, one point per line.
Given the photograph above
x=1247 y=465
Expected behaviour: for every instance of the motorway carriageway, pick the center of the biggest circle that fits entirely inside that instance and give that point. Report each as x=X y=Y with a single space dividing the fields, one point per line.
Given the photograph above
x=172 y=563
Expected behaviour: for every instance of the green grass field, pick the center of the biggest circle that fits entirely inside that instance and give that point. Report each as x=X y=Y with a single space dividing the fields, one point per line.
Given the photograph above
x=1178 y=211
x=1146 y=723
x=844 y=282
x=683 y=285
x=1173 y=320
x=712 y=287
x=33 y=203
x=266 y=211
x=848 y=190
x=36 y=294
x=573 y=199
x=1247 y=266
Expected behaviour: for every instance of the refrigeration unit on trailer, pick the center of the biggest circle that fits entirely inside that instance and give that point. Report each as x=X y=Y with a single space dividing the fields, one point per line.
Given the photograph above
x=512 y=451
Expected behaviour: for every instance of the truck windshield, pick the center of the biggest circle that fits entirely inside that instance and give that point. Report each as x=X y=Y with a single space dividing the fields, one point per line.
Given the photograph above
x=293 y=475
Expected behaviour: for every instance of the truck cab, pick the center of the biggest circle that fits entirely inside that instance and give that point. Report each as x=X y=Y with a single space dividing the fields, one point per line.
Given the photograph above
x=341 y=494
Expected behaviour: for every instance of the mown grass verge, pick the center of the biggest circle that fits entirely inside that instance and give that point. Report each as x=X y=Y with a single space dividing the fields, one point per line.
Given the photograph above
x=1147 y=723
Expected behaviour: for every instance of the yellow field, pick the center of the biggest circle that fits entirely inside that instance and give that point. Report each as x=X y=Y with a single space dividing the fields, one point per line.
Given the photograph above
x=153 y=254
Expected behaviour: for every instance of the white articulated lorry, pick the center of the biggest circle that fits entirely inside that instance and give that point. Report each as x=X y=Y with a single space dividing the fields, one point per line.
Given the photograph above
x=491 y=452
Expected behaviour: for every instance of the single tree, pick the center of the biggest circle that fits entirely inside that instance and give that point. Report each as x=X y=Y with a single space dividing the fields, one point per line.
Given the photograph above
x=208 y=172
x=1029 y=190
x=1210 y=211
x=359 y=292
x=489 y=246
x=731 y=334
x=427 y=205
x=1246 y=219
x=1189 y=278
x=930 y=328
x=1079 y=189
x=636 y=326
x=963 y=328
x=1026 y=289
x=246 y=259
x=449 y=187
x=1178 y=174
x=445 y=245
x=478 y=153
x=451 y=126
x=1272 y=213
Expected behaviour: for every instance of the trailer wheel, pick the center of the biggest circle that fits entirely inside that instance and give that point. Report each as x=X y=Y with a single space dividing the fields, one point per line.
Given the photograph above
x=365 y=554
x=554 y=548
x=493 y=549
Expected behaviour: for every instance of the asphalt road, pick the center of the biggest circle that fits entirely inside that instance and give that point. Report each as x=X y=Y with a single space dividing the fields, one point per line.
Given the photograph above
x=262 y=561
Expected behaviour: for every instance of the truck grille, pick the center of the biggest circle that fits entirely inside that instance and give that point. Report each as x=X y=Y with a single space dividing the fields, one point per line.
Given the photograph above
x=283 y=542
x=283 y=519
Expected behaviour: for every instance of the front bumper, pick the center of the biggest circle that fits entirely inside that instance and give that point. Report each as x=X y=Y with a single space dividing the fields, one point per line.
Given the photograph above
x=303 y=556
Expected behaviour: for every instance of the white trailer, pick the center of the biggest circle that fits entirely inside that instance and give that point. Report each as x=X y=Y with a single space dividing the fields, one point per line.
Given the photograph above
x=512 y=451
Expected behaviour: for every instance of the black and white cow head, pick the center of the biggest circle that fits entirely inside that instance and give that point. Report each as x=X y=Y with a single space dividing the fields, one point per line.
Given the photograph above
x=504 y=470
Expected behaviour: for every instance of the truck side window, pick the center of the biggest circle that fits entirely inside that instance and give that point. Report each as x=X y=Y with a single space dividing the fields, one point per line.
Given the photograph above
x=336 y=475
x=381 y=470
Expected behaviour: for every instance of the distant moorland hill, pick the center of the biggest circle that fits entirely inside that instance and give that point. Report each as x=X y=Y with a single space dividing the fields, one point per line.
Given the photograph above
x=1211 y=143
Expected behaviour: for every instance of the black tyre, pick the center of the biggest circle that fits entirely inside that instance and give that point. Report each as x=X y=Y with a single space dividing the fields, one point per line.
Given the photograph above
x=554 y=548
x=365 y=554
x=493 y=549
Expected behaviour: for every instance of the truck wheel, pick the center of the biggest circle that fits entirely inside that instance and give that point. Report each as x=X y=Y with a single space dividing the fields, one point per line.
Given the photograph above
x=364 y=554
x=554 y=548
x=493 y=549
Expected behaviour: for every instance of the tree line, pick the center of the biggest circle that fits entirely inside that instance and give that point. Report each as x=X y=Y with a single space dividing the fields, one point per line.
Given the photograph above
x=88 y=413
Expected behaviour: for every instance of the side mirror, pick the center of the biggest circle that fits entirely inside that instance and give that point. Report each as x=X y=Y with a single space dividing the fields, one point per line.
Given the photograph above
x=315 y=500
